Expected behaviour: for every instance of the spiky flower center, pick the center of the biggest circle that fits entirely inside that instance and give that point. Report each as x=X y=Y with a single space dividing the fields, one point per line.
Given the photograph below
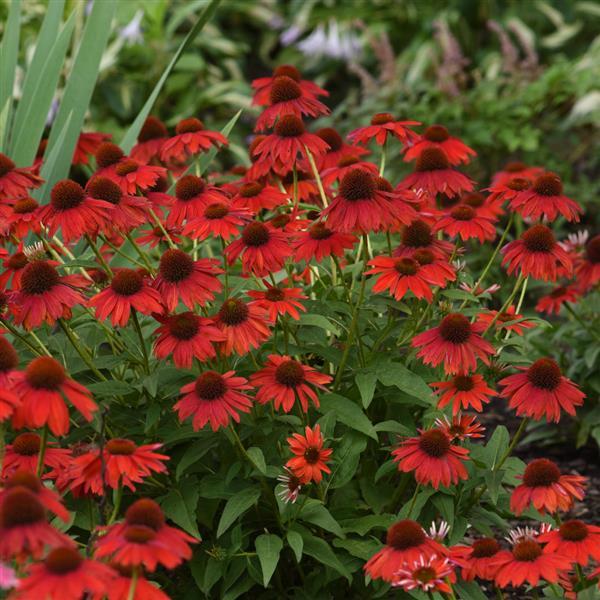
x=331 y=137
x=518 y=184
x=424 y=257
x=463 y=383
x=573 y=531
x=289 y=373
x=425 y=574
x=406 y=266
x=45 y=373
x=216 y=210
x=145 y=512
x=275 y=294
x=319 y=231
x=539 y=238
x=541 y=472
x=61 y=561
x=383 y=185
x=312 y=455
x=25 y=479
x=284 y=89
x=358 y=185
x=548 y=184
x=139 y=534
x=544 y=374
x=434 y=443
x=256 y=234
x=473 y=199
x=233 y=312
x=288 y=71
x=176 y=266
x=251 y=189
x=127 y=282
x=66 y=194
x=527 y=550
x=592 y=250
x=405 y=534
x=17 y=261
x=102 y=188
x=417 y=235
x=436 y=133
x=188 y=187
x=455 y=328
x=9 y=359
x=432 y=159
x=382 y=119
x=126 y=167
x=191 y=125
x=485 y=547
x=39 y=277
x=152 y=129
x=289 y=126
x=20 y=506
x=108 y=154
x=349 y=159
x=210 y=385
x=25 y=206
x=280 y=221
x=161 y=185
x=6 y=165
x=27 y=444
x=184 y=326
x=120 y=447
x=462 y=213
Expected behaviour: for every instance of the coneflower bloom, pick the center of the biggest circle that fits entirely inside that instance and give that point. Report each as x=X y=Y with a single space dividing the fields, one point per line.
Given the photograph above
x=462 y=427
x=290 y=485
x=23 y=454
x=546 y=489
x=286 y=97
x=575 y=540
x=192 y=196
x=128 y=290
x=16 y=182
x=24 y=529
x=441 y=269
x=418 y=235
x=150 y=140
x=263 y=85
x=310 y=458
x=360 y=206
x=190 y=139
x=13 y=269
x=427 y=574
x=180 y=277
x=482 y=206
x=279 y=301
x=434 y=175
x=144 y=539
x=541 y=390
x=128 y=211
x=284 y=380
x=255 y=196
x=186 y=336
x=154 y=236
x=406 y=541
x=384 y=125
x=43 y=388
x=477 y=560
x=87 y=145
x=9 y=361
x=121 y=586
x=455 y=342
x=516 y=169
x=509 y=190
x=121 y=462
x=262 y=247
x=158 y=197
x=74 y=212
x=545 y=200
x=552 y=302
x=338 y=149
x=44 y=295
x=344 y=166
x=505 y=320
x=587 y=265
x=9 y=402
x=433 y=458
x=528 y=562
x=244 y=325
x=464 y=391
x=464 y=221
x=437 y=136
x=537 y=254
x=215 y=399
x=24 y=217
x=65 y=575
x=306 y=187
x=319 y=242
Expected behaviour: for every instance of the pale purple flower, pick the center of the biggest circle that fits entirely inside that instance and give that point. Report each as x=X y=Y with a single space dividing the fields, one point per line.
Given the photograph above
x=132 y=32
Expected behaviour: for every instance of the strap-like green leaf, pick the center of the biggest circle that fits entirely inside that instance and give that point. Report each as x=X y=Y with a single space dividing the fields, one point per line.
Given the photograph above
x=268 y=548
x=9 y=52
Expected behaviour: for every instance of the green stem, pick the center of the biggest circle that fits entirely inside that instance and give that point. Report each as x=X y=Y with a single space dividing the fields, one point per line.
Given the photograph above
x=586 y=326
x=39 y=351
x=117 y=506
x=509 y=301
x=43 y=443
x=99 y=256
x=226 y=269
x=140 y=253
x=382 y=162
x=133 y=584
x=315 y=171
x=121 y=253
x=413 y=501
x=81 y=350
x=164 y=231
x=519 y=304
x=138 y=328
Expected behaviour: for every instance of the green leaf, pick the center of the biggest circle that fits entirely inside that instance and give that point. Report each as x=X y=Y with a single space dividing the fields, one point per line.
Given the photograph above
x=194 y=452
x=180 y=506
x=405 y=380
x=321 y=322
x=296 y=543
x=496 y=446
x=9 y=53
x=362 y=549
x=445 y=504
x=347 y=458
x=314 y=512
x=468 y=591
x=132 y=133
x=256 y=454
x=363 y=525
x=268 y=547
x=236 y=506
x=417 y=506
x=110 y=388
x=366 y=383
x=493 y=480
x=348 y=413
x=320 y=550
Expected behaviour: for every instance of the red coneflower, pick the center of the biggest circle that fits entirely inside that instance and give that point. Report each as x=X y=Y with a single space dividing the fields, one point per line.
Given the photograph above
x=384 y=125
x=150 y=140
x=552 y=302
x=536 y=254
x=575 y=540
x=287 y=98
x=13 y=269
x=545 y=488
x=155 y=235
x=433 y=458
x=74 y=212
x=437 y=136
x=306 y=187
x=461 y=428
x=587 y=265
x=158 y=197
x=464 y=391
x=291 y=486
x=541 y=389
x=9 y=402
x=505 y=320
x=455 y=342
x=121 y=587
x=25 y=217
x=16 y=182
x=65 y=575
x=344 y=166
x=244 y=325
x=338 y=149
x=516 y=169
x=43 y=388
x=255 y=196
x=427 y=574
x=477 y=560
x=128 y=290
x=360 y=206
x=319 y=242
x=23 y=455
x=310 y=458
x=406 y=542
x=190 y=139
x=262 y=247
x=87 y=145
x=186 y=336
x=144 y=539
x=180 y=277
x=214 y=398
x=192 y=196
x=509 y=190
x=129 y=174
x=482 y=206
x=283 y=380
x=464 y=221
x=122 y=463
x=263 y=85
x=279 y=301
x=24 y=530
x=9 y=361
x=434 y=175
x=545 y=199
x=418 y=235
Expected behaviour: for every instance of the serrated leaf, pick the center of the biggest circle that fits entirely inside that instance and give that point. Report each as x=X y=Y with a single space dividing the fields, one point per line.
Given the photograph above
x=236 y=506
x=348 y=413
x=296 y=543
x=268 y=547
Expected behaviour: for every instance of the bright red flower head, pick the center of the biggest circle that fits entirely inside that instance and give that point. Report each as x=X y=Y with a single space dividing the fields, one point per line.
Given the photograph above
x=9 y=361
x=516 y=169
x=478 y=559
x=346 y=164
x=462 y=427
x=192 y=196
x=418 y=235
x=214 y=398
x=9 y=402
x=279 y=301
x=463 y=221
x=426 y=574
x=575 y=540
x=87 y=145
x=244 y=325
x=338 y=149
x=541 y=390
x=587 y=265
x=150 y=140
x=437 y=136
x=505 y=320
x=25 y=217
x=552 y=302
x=263 y=85
x=23 y=455
x=219 y=219
x=464 y=391
x=16 y=182
x=121 y=587
x=190 y=139
x=384 y=125
x=310 y=458
x=255 y=196
x=319 y=242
